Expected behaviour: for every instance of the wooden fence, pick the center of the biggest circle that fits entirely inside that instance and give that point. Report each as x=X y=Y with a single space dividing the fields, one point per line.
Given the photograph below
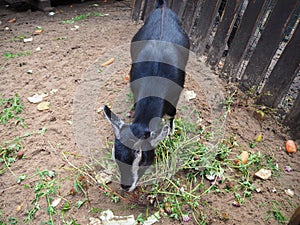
x=255 y=42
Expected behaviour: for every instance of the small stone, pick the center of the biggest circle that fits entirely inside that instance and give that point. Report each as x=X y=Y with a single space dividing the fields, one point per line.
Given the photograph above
x=263 y=174
x=20 y=154
x=236 y=204
x=289 y=192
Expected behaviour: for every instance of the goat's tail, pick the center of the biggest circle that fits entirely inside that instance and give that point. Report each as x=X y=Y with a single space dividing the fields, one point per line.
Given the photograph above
x=160 y=3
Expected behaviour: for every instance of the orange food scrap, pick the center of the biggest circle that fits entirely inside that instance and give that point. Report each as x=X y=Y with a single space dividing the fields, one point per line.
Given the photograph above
x=127 y=77
x=108 y=62
x=37 y=32
x=12 y=20
x=290 y=146
x=244 y=158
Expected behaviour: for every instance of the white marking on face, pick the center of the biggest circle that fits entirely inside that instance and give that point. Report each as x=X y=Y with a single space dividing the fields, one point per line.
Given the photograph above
x=135 y=169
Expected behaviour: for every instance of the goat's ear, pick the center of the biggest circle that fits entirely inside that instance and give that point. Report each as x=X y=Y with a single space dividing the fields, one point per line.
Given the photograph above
x=159 y=135
x=115 y=121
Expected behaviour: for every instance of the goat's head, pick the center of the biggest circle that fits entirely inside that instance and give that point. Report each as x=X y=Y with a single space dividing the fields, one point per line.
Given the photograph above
x=134 y=148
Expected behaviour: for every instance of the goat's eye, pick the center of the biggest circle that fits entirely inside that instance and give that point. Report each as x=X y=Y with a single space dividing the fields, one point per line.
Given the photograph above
x=147 y=134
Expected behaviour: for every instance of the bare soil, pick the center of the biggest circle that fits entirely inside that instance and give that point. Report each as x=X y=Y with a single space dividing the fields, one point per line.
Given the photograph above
x=67 y=58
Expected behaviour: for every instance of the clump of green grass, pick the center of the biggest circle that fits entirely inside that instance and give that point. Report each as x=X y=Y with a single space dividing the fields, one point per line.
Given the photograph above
x=198 y=161
x=188 y=167
x=46 y=187
x=11 y=108
x=83 y=17
x=8 y=152
x=276 y=214
x=9 y=55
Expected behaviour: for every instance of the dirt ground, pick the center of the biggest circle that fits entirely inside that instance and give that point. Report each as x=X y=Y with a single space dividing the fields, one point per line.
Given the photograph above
x=65 y=62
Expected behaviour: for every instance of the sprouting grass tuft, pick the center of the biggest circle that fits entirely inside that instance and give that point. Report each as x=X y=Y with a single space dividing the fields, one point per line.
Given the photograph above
x=11 y=108
x=83 y=17
x=9 y=55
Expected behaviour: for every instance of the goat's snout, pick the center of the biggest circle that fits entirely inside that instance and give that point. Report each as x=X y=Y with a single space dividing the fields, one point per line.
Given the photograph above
x=125 y=187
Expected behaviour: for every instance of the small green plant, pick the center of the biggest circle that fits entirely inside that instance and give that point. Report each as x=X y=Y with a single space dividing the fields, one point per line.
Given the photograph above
x=83 y=17
x=140 y=218
x=190 y=164
x=11 y=108
x=8 y=153
x=9 y=55
x=46 y=187
x=278 y=216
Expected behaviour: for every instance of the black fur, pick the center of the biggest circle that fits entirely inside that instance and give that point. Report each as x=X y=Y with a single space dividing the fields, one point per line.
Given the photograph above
x=162 y=25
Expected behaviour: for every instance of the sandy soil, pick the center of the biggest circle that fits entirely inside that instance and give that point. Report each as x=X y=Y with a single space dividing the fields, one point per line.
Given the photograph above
x=67 y=58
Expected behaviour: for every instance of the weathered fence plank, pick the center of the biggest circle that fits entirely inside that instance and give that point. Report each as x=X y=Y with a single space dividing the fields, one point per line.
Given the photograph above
x=169 y=3
x=135 y=15
x=198 y=18
x=268 y=44
x=204 y=24
x=224 y=29
x=190 y=14
x=240 y=42
x=149 y=6
x=178 y=7
x=292 y=120
x=283 y=73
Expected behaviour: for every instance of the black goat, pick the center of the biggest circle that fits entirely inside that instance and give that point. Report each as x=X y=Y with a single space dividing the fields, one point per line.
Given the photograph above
x=159 y=53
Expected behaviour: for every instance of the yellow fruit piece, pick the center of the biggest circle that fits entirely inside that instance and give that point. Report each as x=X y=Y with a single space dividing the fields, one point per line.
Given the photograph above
x=259 y=138
x=108 y=62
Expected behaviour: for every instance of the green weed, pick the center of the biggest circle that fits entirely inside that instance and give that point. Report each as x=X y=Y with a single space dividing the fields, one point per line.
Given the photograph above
x=278 y=216
x=83 y=17
x=9 y=55
x=46 y=187
x=11 y=108
x=8 y=153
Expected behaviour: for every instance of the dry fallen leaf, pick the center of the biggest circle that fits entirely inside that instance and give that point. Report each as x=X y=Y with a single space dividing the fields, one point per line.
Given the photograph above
x=108 y=218
x=108 y=62
x=43 y=106
x=19 y=207
x=55 y=202
x=36 y=98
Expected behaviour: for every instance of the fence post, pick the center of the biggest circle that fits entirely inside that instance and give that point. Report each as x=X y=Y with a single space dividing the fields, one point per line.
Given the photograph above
x=283 y=73
x=240 y=42
x=190 y=14
x=135 y=15
x=224 y=29
x=292 y=120
x=204 y=24
x=268 y=44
